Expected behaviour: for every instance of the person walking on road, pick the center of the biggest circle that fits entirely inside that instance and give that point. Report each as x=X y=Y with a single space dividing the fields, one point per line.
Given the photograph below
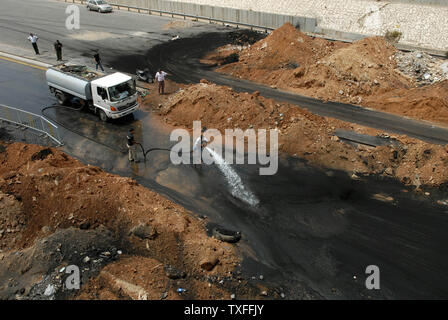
x=58 y=49
x=98 y=61
x=160 y=78
x=131 y=144
x=33 y=38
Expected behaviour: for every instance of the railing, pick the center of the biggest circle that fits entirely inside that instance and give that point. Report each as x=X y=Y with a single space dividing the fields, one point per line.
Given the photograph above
x=179 y=14
x=31 y=121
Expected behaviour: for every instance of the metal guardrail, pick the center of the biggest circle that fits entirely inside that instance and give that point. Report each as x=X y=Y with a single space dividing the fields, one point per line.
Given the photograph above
x=30 y=121
x=179 y=14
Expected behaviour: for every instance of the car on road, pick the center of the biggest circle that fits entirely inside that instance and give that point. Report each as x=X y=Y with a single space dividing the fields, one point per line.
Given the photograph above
x=99 y=5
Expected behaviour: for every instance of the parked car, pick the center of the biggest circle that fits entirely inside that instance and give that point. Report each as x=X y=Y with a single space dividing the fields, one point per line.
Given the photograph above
x=99 y=5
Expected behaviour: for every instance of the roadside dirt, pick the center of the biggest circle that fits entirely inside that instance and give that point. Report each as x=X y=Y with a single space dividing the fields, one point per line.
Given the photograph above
x=50 y=202
x=302 y=133
x=363 y=73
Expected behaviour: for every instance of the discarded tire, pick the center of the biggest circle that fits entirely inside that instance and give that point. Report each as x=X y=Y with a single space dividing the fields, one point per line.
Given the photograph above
x=226 y=235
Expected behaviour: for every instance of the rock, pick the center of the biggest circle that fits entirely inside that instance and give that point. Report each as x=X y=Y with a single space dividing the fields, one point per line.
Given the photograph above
x=41 y=155
x=174 y=273
x=86 y=259
x=389 y=171
x=334 y=138
x=261 y=277
x=232 y=296
x=144 y=231
x=341 y=92
x=282 y=295
x=49 y=291
x=209 y=262
x=85 y=225
x=264 y=293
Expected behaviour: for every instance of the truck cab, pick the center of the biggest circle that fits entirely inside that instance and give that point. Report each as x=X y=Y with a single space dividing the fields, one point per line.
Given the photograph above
x=114 y=96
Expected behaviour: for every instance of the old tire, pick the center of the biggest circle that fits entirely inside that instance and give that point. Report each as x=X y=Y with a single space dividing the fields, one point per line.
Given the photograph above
x=103 y=116
x=226 y=235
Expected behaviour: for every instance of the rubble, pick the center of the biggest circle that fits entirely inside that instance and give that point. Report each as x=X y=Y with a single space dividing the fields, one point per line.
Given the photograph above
x=422 y=67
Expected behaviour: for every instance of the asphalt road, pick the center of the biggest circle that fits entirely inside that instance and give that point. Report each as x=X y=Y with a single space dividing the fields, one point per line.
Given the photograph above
x=312 y=234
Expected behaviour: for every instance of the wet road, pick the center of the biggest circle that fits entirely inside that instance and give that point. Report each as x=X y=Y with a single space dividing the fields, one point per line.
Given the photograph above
x=313 y=234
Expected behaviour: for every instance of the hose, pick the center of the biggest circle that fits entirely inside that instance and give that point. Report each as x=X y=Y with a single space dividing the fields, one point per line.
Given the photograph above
x=91 y=139
x=76 y=131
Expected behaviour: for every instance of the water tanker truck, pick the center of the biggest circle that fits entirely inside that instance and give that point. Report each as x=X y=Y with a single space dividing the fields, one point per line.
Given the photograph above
x=110 y=96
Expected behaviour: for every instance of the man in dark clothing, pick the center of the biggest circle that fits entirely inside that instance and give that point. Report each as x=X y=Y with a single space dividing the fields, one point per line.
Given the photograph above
x=98 y=61
x=131 y=144
x=58 y=48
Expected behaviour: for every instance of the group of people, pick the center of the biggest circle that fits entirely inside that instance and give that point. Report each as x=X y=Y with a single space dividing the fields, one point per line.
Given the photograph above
x=33 y=38
x=159 y=77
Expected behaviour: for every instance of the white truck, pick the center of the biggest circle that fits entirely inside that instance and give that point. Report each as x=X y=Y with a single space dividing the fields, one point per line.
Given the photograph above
x=109 y=96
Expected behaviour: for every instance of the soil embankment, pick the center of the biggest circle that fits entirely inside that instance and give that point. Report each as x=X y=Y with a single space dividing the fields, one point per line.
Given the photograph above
x=55 y=212
x=302 y=133
x=369 y=72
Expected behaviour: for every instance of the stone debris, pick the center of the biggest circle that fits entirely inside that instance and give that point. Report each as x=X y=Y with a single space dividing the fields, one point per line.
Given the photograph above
x=422 y=67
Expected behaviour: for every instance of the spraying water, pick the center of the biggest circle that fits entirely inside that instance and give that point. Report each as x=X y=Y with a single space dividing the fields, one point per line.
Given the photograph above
x=238 y=189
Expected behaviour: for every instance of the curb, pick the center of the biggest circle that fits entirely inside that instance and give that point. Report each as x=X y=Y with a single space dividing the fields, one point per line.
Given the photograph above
x=25 y=60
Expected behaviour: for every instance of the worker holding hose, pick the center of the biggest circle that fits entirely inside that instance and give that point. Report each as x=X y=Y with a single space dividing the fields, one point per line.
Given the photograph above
x=131 y=144
x=200 y=143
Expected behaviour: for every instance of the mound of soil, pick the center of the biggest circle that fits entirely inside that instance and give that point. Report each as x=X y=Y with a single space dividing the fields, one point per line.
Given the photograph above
x=304 y=134
x=44 y=192
x=427 y=102
x=364 y=72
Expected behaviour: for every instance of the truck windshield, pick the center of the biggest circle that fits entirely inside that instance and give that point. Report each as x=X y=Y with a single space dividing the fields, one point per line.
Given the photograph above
x=122 y=90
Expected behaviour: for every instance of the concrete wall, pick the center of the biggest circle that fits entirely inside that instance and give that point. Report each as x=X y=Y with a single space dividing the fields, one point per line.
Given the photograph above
x=264 y=19
x=423 y=27
x=421 y=2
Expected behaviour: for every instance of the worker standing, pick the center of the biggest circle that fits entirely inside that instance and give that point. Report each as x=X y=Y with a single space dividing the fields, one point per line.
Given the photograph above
x=199 y=145
x=58 y=49
x=131 y=144
x=97 y=59
x=33 y=38
x=160 y=78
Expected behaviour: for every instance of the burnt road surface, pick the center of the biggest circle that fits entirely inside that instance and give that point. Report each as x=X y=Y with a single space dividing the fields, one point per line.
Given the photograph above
x=312 y=235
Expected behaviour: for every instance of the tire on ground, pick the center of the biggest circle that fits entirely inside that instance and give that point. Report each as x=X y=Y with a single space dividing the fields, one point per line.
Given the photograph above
x=226 y=235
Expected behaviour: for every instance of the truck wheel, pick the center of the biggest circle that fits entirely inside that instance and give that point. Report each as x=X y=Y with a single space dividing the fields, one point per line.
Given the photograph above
x=103 y=116
x=61 y=97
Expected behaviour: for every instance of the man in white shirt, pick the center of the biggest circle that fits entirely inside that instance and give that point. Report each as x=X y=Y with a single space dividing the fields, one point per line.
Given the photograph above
x=33 y=38
x=160 y=78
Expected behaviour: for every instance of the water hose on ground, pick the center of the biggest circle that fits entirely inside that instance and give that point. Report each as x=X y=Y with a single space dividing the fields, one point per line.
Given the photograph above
x=145 y=152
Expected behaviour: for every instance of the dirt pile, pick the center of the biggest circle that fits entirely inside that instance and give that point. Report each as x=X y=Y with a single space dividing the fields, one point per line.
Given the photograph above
x=289 y=59
x=368 y=72
x=306 y=135
x=44 y=191
x=427 y=102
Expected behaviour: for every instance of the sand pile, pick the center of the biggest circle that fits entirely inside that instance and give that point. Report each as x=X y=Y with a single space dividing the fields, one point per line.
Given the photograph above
x=50 y=201
x=369 y=72
x=289 y=59
x=426 y=102
x=304 y=134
